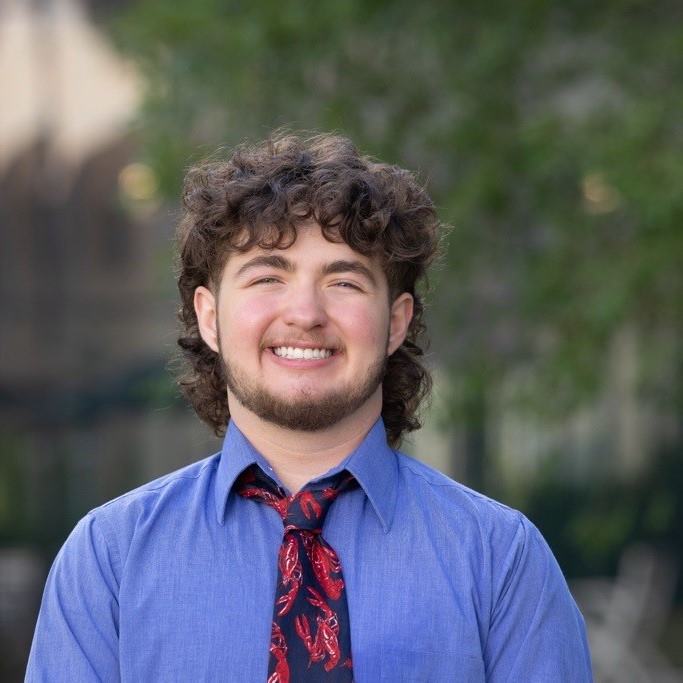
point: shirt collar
(373, 463)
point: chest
(203, 610)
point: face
(304, 332)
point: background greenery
(549, 134)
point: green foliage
(30, 513)
(549, 134)
(589, 526)
(12, 491)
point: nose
(304, 308)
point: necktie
(310, 637)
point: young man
(308, 549)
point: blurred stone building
(87, 316)
(87, 404)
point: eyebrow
(282, 263)
(350, 267)
(266, 261)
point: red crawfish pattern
(278, 650)
(310, 638)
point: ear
(401, 315)
(207, 316)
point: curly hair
(258, 197)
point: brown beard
(305, 414)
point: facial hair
(304, 413)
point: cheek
(365, 327)
(245, 320)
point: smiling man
(305, 334)
(309, 548)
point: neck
(296, 456)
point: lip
(301, 362)
(301, 345)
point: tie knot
(304, 510)
(307, 509)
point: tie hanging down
(310, 638)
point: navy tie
(310, 638)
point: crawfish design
(278, 648)
(310, 623)
(291, 571)
(325, 563)
(326, 642)
(309, 505)
(268, 497)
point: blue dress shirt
(175, 581)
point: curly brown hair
(258, 197)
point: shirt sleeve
(76, 635)
(537, 633)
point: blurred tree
(549, 134)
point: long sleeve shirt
(175, 581)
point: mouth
(302, 353)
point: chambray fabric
(175, 581)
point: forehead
(309, 249)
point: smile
(297, 353)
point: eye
(346, 284)
(265, 281)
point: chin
(302, 397)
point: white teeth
(301, 354)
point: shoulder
(493, 536)
(500, 544)
(157, 505)
(138, 523)
(453, 501)
(164, 489)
